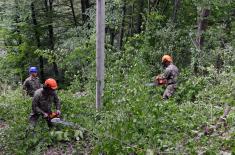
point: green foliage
(134, 118)
(20, 138)
(219, 88)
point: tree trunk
(17, 21)
(155, 3)
(37, 37)
(228, 28)
(149, 8)
(139, 18)
(131, 20)
(219, 63)
(176, 8)
(35, 25)
(165, 7)
(73, 13)
(112, 36)
(100, 36)
(122, 25)
(202, 26)
(85, 5)
(50, 26)
(49, 14)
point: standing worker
(32, 83)
(43, 100)
(169, 76)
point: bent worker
(169, 76)
(32, 83)
(43, 100)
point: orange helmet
(167, 58)
(51, 83)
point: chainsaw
(54, 117)
(158, 82)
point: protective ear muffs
(44, 86)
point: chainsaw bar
(151, 84)
(59, 121)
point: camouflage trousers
(169, 91)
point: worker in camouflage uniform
(169, 76)
(32, 83)
(43, 100)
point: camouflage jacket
(170, 74)
(42, 102)
(31, 85)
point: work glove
(45, 115)
(58, 112)
(159, 77)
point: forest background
(59, 36)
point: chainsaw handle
(52, 115)
(160, 80)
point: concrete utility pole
(100, 35)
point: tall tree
(49, 15)
(176, 8)
(202, 26)
(85, 4)
(17, 22)
(121, 34)
(73, 12)
(37, 37)
(131, 20)
(155, 3)
(139, 18)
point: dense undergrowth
(134, 118)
